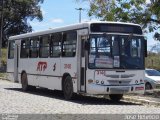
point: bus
(90, 58)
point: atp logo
(42, 66)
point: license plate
(119, 90)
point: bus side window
(34, 47)
(69, 44)
(44, 46)
(11, 50)
(25, 48)
(55, 46)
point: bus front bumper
(100, 89)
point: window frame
(9, 50)
(35, 38)
(69, 44)
(41, 45)
(59, 41)
(26, 47)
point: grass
(3, 61)
(2, 75)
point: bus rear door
(16, 60)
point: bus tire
(68, 88)
(24, 82)
(116, 97)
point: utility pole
(80, 9)
(1, 31)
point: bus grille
(119, 82)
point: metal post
(80, 9)
(80, 15)
(1, 32)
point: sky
(57, 13)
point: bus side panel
(50, 76)
(30, 67)
(10, 60)
(89, 76)
(69, 65)
(10, 69)
(52, 83)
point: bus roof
(64, 28)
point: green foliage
(16, 14)
(135, 11)
(2, 75)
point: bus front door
(83, 68)
(81, 62)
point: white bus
(92, 58)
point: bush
(4, 56)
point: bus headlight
(102, 82)
(97, 81)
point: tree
(135, 11)
(16, 15)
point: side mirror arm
(87, 45)
(145, 48)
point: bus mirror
(87, 45)
(145, 48)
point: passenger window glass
(11, 50)
(25, 44)
(34, 48)
(56, 45)
(44, 49)
(69, 44)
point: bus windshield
(116, 51)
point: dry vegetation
(153, 61)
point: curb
(141, 100)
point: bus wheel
(116, 97)
(24, 82)
(68, 88)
